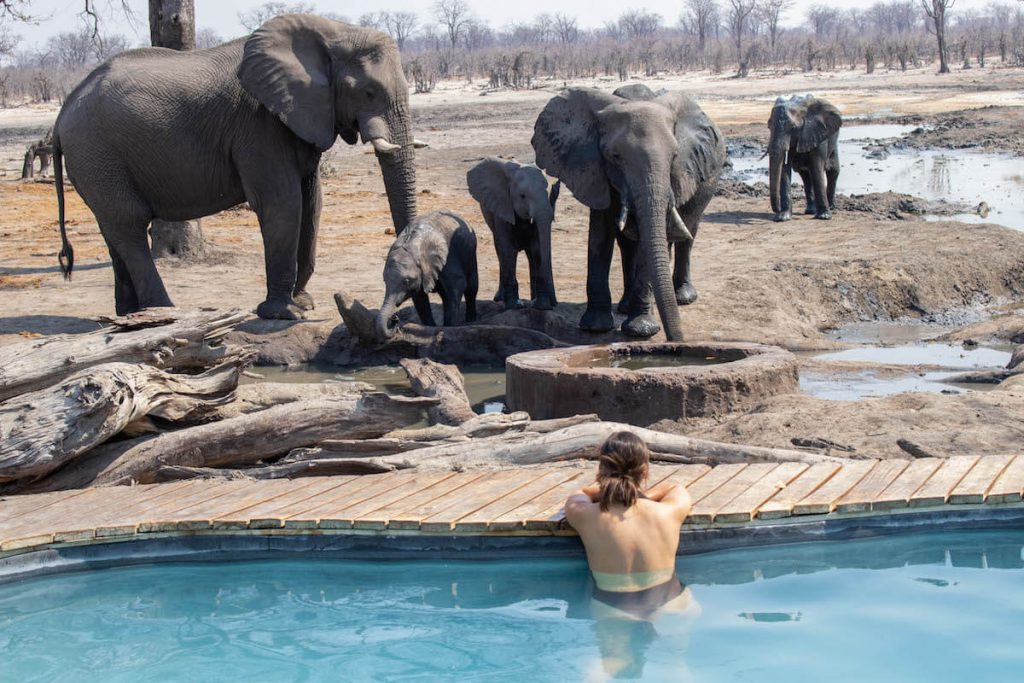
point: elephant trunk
(398, 167)
(385, 330)
(651, 214)
(776, 160)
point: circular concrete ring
(570, 381)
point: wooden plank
(704, 510)
(482, 494)
(858, 498)
(743, 507)
(936, 490)
(488, 486)
(821, 500)
(12, 507)
(1009, 487)
(123, 520)
(272, 513)
(344, 514)
(813, 478)
(198, 510)
(479, 520)
(714, 479)
(326, 513)
(975, 485)
(898, 493)
(61, 518)
(379, 518)
(265, 494)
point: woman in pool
(630, 535)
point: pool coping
(218, 545)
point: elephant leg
(691, 214)
(627, 254)
(785, 186)
(279, 208)
(820, 191)
(808, 180)
(125, 299)
(542, 286)
(508, 255)
(421, 302)
(639, 297)
(833, 179)
(600, 247)
(451, 293)
(472, 286)
(311, 205)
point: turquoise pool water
(936, 607)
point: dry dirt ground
(783, 284)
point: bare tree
(453, 15)
(770, 12)
(639, 24)
(565, 28)
(823, 20)
(936, 11)
(738, 19)
(374, 20)
(701, 16)
(256, 17)
(401, 26)
(172, 24)
(207, 37)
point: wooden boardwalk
(511, 502)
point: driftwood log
(242, 440)
(443, 382)
(164, 337)
(42, 430)
(250, 398)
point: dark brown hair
(622, 469)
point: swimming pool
(922, 606)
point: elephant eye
(369, 95)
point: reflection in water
(940, 178)
(936, 606)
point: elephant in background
(647, 170)
(804, 135)
(155, 133)
(519, 209)
(436, 252)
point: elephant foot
(304, 300)
(545, 302)
(782, 216)
(686, 294)
(275, 309)
(513, 304)
(595, 320)
(641, 326)
(824, 216)
(810, 211)
(622, 308)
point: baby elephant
(515, 202)
(435, 252)
(804, 134)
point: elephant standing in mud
(436, 252)
(155, 133)
(647, 170)
(804, 135)
(519, 209)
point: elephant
(804, 134)
(436, 252)
(646, 169)
(155, 133)
(519, 209)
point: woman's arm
(675, 495)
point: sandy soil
(758, 281)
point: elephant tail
(67, 254)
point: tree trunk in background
(172, 24)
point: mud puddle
(872, 160)
(888, 332)
(485, 386)
(935, 363)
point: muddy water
(951, 356)
(655, 360)
(960, 176)
(485, 386)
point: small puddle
(956, 176)
(855, 385)
(888, 332)
(655, 360)
(485, 385)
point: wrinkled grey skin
(155, 133)
(519, 209)
(644, 155)
(436, 252)
(804, 134)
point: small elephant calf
(519, 210)
(435, 252)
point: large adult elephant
(645, 168)
(803, 135)
(155, 133)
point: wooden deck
(512, 502)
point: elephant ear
(433, 254)
(821, 122)
(488, 184)
(286, 66)
(701, 148)
(567, 141)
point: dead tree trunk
(162, 337)
(42, 430)
(443, 382)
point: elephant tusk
(623, 215)
(419, 144)
(680, 225)
(382, 146)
